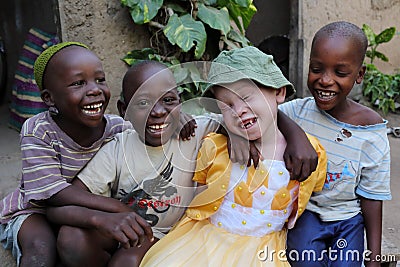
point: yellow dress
(242, 216)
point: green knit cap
(44, 58)
(243, 63)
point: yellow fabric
(215, 172)
(199, 243)
(194, 241)
(281, 199)
(242, 195)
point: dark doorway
(274, 30)
(17, 18)
(269, 30)
(272, 19)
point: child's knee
(36, 237)
(72, 245)
(70, 240)
(38, 252)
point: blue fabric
(358, 160)
(335, 243)
(9, 236)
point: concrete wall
(107, 28)
(379, 14)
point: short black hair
(135, 69)
(346, 30)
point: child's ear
(121, 108)
(46, 97)
(180, 96)
(280, 95)
(361, 73)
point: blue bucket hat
(244, 63)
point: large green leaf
(247, 15)
(180, 73)
(216, 18)
(369, 33)
(135, 56)
(210, 2)
(142, 11)
(239, 14)
(243, 3)
(176, 7)
(386, 35)
(185, 32)
(239, 38)
(381, 56)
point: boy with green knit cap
(55, 145)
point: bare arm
(109, 216)
(372, 212)
(240, 149)
(300, 157)
(128, 228)
(78, 194)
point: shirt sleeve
(375, 172)
(207, 123)
(101, 172)
(287, 108)
(295, 109)
(204, 161)
(41, 173)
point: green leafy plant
(189, 30)
(374, 40)
(381, 89)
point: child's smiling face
(334, 69)
(154, 108)
(248, 111)
(76, 85)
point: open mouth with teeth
(246, 124)
(325, 95)
(92, 109)
(156, 128)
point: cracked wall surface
(107, 28)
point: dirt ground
(391, 208)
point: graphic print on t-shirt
(339, 174)
(153, 194)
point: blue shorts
(9, 235)
(313, 242)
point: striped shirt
(50, 161)
(358, 160)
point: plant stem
(156, 24)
